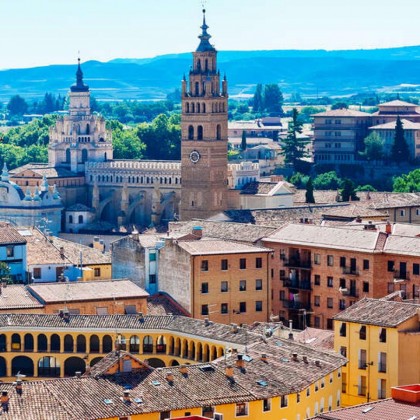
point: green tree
(400, 152)
(17, 105)
(299, 180)
(374, 147)
(273, 99)
(327, 181)
(258, 102)
(294, 147)
(347, 190)
(407, 182)
(340, 105)
(126, 143)
(243, 141)
(366, 187)
(309, 194)
(4, 272)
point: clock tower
(204, 135)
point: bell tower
(204, 123)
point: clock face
(194, 156)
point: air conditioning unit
(218, 416)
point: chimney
(229, 371)
(240, 362)
(264, 358)
(61, 251)
(126, 397)
(183, 370)
(197, 231)
(141, 317)
(78, 374)
(305, 359)
(290, 329)
(276, 178)
(98, 244)
(206, 321)
(317, 363)
(234, 328)
(388, 228)
(170, 378)
(295, 357)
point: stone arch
(220, 352)
(200, 132)
(190, 132)
(42, 342)
(22, 364)
(191, 354)
(73, 365)
(3, 343)
(137, 205)
(55, 343)
(134, 344)
(199, 352)
(171, 345)
(185, 349)
(94, 344)
(28, 342)
(95, 360)
(156, 362)
(16, 342)
(213, 354)
(161, 344)
(68, 343)
(206, 353)
(174, 362)
(177, 348)
(147, 344)
(81, 344)
(48, 366)
(3, 368)
(106, 344)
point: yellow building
(253, 378)
(381, 339)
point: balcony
(401, 275)
(352, 292)
(296, 262)
(350, 270)
(289, 304)
(295, 284)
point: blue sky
(41, 32)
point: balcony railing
(362, 364)
(288, 304)
(350, 270)
(294, 284)
(350, 292)
(401, 275)
(296, 262)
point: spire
(79, 86)
(205, 37)
(5, 173)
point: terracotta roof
(321, 196)
(315, 337)
(388, 409)
(326, 237)
(10, 236)
(46, 250)
(222, 230)
(17, 297)
(266, 188)
(43, 169)
(216, 247)
(403, 245)
(163, 304)
(397, 102)
(343, 112)
(407, 125)
(352, 211)
(380, 312)
(87, 290)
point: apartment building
(381, 340)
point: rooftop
(163, 304)
(407, 125)
(10, 236)
(267, 188)
(216, 247)
(89, 290)
(17, 297)
(397, 102)
(342, 112)
(42, 169)
(381, 312)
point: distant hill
(309, 72)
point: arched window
(81, 344)
(204, 108)
(198, 64)
(68, 343)
(187, 107)
(28, 342)
(80, 219)
(193, 107)
(198, 108)
(3, 342)
(218, 132)
(16, 344)
(161, 344)
(200, 132)
(87, 129)
(190, 132)
(70, 218)
(94, 344)
(197, 88)
(106, 344)
(147, 344)
(134, 344)
(67, 155)
(48, 366)
(206, 65)
(105, 157)
(42, 342)
(84, 155)
(55, 342)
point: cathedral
(139, 192)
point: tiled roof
(9, 235)
(352, 211)
(266, 188)
(342, 112)
(17, 297)
(388, 409)
(80, 207)
(407, 125)
(43, 169)
(321, 196)
(315, 337)
(403, 245)
(163, 304)
(397, 102)
(215, 247)
(326, 237)
(222, 230)
(380, 312)
(46, 250)
(86, 290)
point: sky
(41, 32)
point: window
(366, 287)
(390, 265)
(298, 398)
(267, 404)
(342, 304)
(242, 307)
(382, 389)
(308, 392)
(165, 415)
(258, 306)
(258, 284)
(402, 213)
(330, 302)
(342, 261)
(343, 329)
(224, 265)
(382, 335)
(391, 287)
(329, 324)
(224, 286)
(416, 269)
(343, 283)
(97, 272)
(317, 300)
(343, 351)
(362, 359)
(382, 362)
(317, 322)
(317, 279)
(241, 409)
(37, 272)
(365, 264)
(204, 309)
(317, 259)
(282, 274)
(10, 251)
(362, 385)
(283, 401)
(242, 285)
(330, 282)
(258, 262)
(242, 263)
(204, 287)
(204, 265)
(362, 333)
(152, 256)
(330, 260)
(224, 308)
(152, 278)
(316, 387)
(80, 219)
